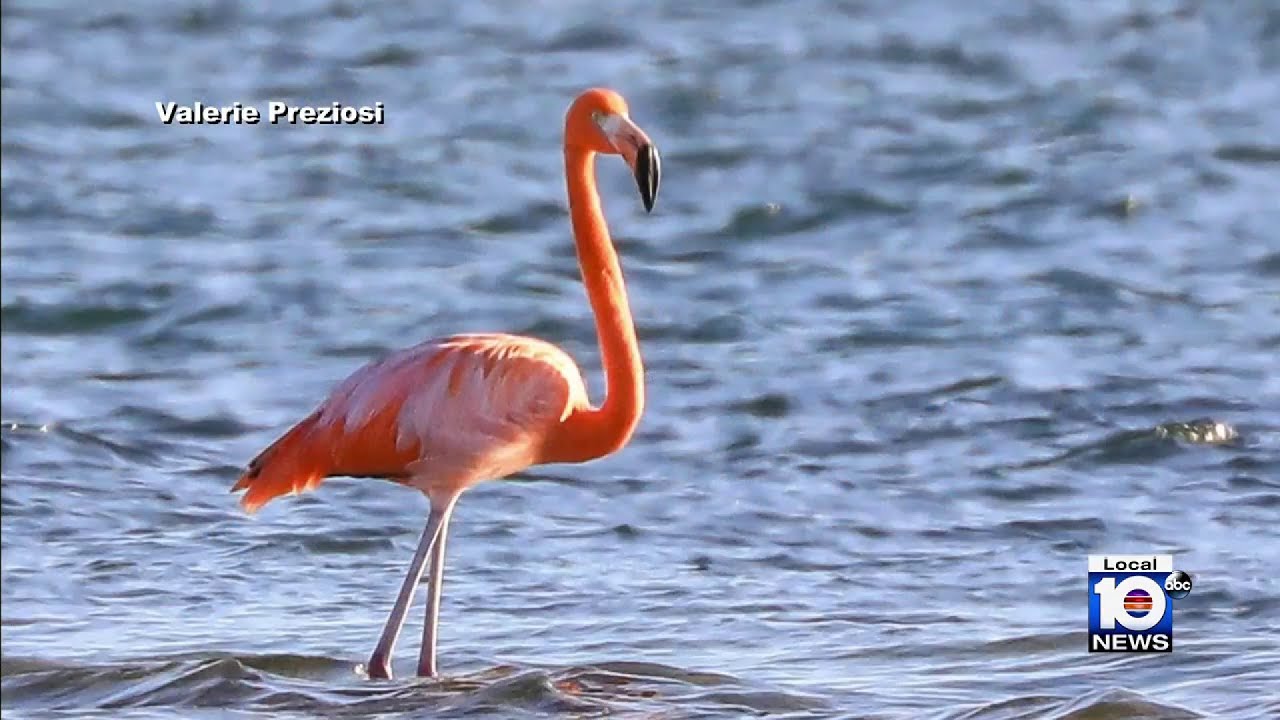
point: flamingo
(451, 412)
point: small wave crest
(336, 687)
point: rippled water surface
(937, 300)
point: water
(927, 294)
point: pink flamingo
(448, 413)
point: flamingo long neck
(593, 433)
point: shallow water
(936, 301)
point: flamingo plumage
(449, 413)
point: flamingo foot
(379, 668)
(427, 669)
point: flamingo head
(599, 121)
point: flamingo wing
(446, 413)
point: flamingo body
(439, 416)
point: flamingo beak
(648, 171)
(639, 152)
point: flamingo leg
(379, 667)
(435, 582)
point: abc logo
(1137, 603)
(1178, 584)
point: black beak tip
(648, 175)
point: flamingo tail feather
(290, 465)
